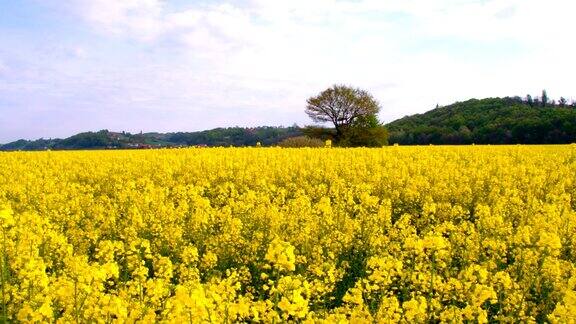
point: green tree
(544, 98)
(322, 133)
(365, 131)
(529, 100)
(341, 105)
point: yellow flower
(281, 255)
(415, 310)
(6, 217)
(400, 234)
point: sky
(69, 66)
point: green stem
(431, 294)
(2, 270)
(76, 301)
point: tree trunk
(339, 134)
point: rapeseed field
(398, 234)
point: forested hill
(489, 121)
(104, 139)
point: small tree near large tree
(365, 131)
(341, 105)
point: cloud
(135, 63)
(221, 26)
(141, 19)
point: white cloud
(141, 19)
(263, 23)
(256, 61)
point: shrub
(301, 141)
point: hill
(488, 121)
(104, 139)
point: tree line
(510, 120)
(544, 101)
(352, 117)
(104, 139)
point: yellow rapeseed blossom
(281, 255)
(316, 235)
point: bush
(365, 131)
(301, 141)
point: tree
(562, 102)
(365, 131)
(544, 98)
(341, 105)
(464, 135)
(529, 100)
